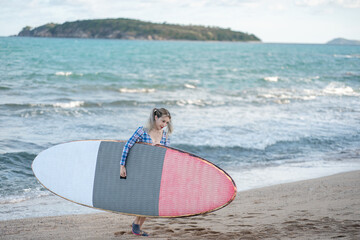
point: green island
(122, 28)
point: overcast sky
(290, 21)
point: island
(343, 41)
(122, 28)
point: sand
(323, 208)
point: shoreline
(320, 208)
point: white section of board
(68, 170)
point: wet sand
(323, 208)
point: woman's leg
(140, 220)
(136, 227)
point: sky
(282, 21)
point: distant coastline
(122, 28)
(343, 41)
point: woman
(154, 133)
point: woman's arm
(130, 143)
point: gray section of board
(139, 192)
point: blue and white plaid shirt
(140, 135)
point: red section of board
(190, 185)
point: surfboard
(161, 181)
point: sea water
(265, 113)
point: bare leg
(136, 226)
(140, 221)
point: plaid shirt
(140, 135)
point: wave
(84, 104)
(28, 193)
(2, 88)
(21, 160)
(281, 96)
(67, 74)
(27, 110)
(63, 73)
(195, 102)
(180, 103)
(333, 89)
(340, 90)
(184, 98)
(276, 152)
(138, 90)
(287, 95)
(151, 90)
(72, 104)
(347, 55)
(190, 86)
(271, 79)
(9, 145)
(17, 177)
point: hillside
(134, 29)
(343, 41)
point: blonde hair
(159, 112)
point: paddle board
(161, 181)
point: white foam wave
(63, 73)
(136, 90)
(347, 56)
(283, 96)
(189, 86)
(41, 206)
(276, 95)
(29, 193)
(308, 98)
(197, 102)
(72, 104)
(272, 79)
(256, 177)
(282, 101)
(334, 89)
(13, 200)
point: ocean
(265, 113)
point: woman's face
(161, 122)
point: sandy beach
(323, 208)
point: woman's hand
(122, 171)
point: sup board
(161, 181)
